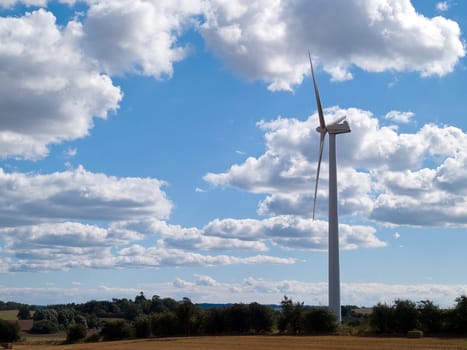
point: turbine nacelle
(340, 128)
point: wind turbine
(339, 126)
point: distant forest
(161, 317)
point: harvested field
(265, 343)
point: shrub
(46, 314)
(44, 327)
(405, 315)
(382, 318)
(213, 321)
(260, 317)
(65, 318)
(93, 338)
(116, 330)
(430, 317)
(142, 327)
(81, 320)
(76, 333)
(188, 316)
(318, 320)
(24, 313)
(291, 315)
(460, 315)
(164, 324)
(282, 323)
(9, 331)
(236, 319)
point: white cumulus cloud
(249, 289)
(399, 117)
(50, 90)
(414, 178)
(442, 6)
(78, 195)
(138, 36)
(293, 232)
(267, 40)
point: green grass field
(9, 315)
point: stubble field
(264, 343)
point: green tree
(46, 314)
(164, 324)
(188, 315)
(9, 331)
(318, 320)
(44, 326)
(81, 319)
(127, 309)
(260, 317)
(76, 333)
(214, 321)
(236, 318)
(458, 318)
(161, 305)
(143, 303)
(66, 317)
(140, 299)
(430, 317)
(290, 319)
(24, 313)
(116, 330)
(142, 326)
(405, 315)
(382, 318)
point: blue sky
(169, 147)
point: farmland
(9, 315)
(264, 343)
(276, 340)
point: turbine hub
(321, 130)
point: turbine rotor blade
(321, 147)
(322, 124)
(337, 121)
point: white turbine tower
(339, 126)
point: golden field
(264, 343)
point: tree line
(405, 315)
(161, 317)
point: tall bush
(318, 320)
(44, 327)
(142, 327)
(214, 321)
(430, 317)
(76, 333)
(382, 318)
(457, 318)
(116, 330)
(24, 313)
(260, 317)
(405, 315)
(9, 331)
(236, 319)
(164, 324)
(291, 314)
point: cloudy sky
(169, 147)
